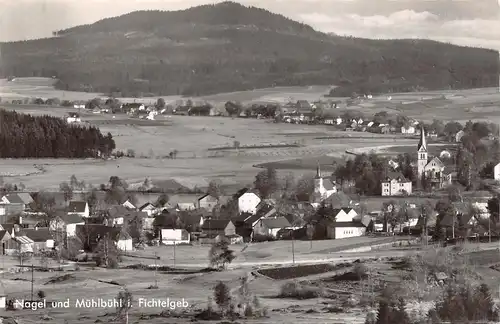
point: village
(34, 223)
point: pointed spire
(318, 172)
(422, 144)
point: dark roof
(216, 224)
(347, 224)
(146, 205)
(339, 200)
(72, 219)
(294, 220)
(208, 196)
(366, 220)
(327, 183)
(396, 176)
(117, 211)
(8, 227)
(14, 198)
(2, 234)
(240, 193)
(94, 232)
(347, 210)
(77, 206)
(166, 220)
(41, 234)
(279, 222)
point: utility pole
(293, 250)
(156, 269)
(174, 252)
(32, 279)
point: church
(432, 170)
(323, 188)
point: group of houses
(304, 112)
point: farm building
(66, 224)
(41, 237)
(208, 202)
(247, 201)
(91, 234)
(80, 208)
(218, 226)
(5, 239)
(148, 208)
(73, 118)
(409, 130)
(174, 236)
(22, 244)
(343, 223)
(270, 226)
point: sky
(462, 22)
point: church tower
(319, 189)
(422, 154)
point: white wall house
(124, 242)
(80, 208)
(247, 201)
(175, 236)
(73, 118)
(496, 172)
(396, 185)
(345, 224)
(408, 130)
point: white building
(496, 172)
(346, 224)
(80, 208)
(247, 201)
(124, 242)
(174, 236)
(323, 188)
(395, 184)
(73, 118)
(408, 130)
(434, 171)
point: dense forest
(229, 47)
(26, 136)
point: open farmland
(195, 164)
(193, 137)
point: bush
(296, 290)
(41, 294)
(222, 296)
(360, 270)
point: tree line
(27, 136)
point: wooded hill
(228, 47)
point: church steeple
(318, 172)
(422, 144)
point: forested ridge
(228, 47)
(26, 136)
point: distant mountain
(229, 47)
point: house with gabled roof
(42, 238)
(79, 208)
(396, 184)
(5, 239)
(208, 202)
(149, 209)
(270, 226)
(65, 224)
(91, 234)
(342, 223)
(247, 201)
(218, 227)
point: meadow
(195, 138)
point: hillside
(229, 47)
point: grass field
(193, 136)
